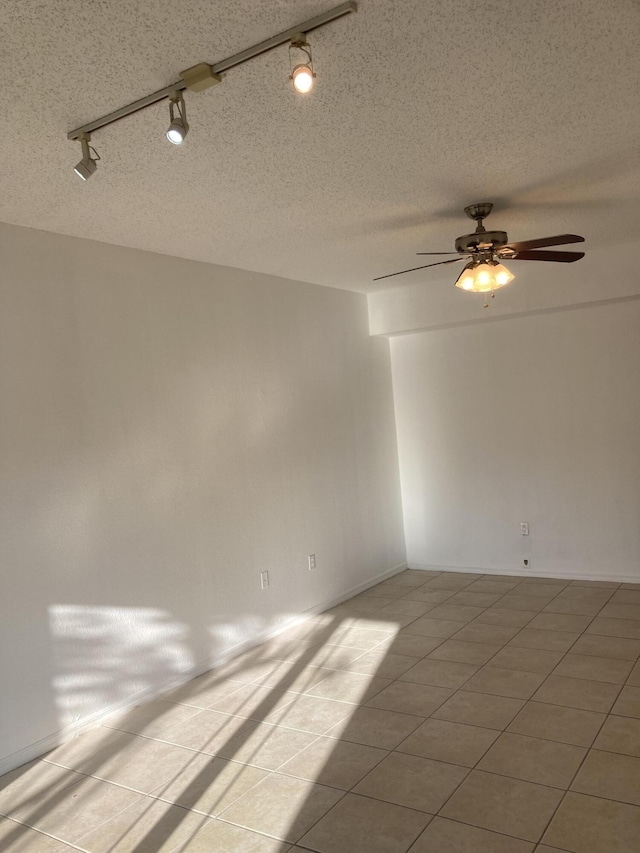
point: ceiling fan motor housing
(483, 241)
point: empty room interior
(320, 427)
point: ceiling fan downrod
(479, 212)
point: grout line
(518, 589)
(69, 844)
(499, 732)
(381, 759)
(588, 749)
(573, 779)
(496, 831)
(487, 663)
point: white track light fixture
(202, 76)
(302, 74)
(179, 126)
(87, 166)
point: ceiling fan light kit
(484, 276)
(202, 76)
(484, 250)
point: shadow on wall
(105, 655)
(212, 739)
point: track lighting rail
(225, 65)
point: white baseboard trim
(46, 744)
(529, 572)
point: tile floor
(434, 713)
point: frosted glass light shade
(501, 274)
(466, 279)
(483, 277)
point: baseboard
(354, 590)
(46, 744)
(530, 572)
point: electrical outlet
(525, 563)
(264, 579)
(524, 528)
(312, 562)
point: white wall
(169, 429)
(535, 419)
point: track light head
(179, 126)
(302, 75)
(178, 129)
(87, 166)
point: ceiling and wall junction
(419, 109)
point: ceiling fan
(483, 250)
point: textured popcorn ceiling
(420, 107)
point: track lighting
(179, 127)
(302, 75)
(87, 166)
(202, 76)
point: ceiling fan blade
(559, 240)
(413, 269)
(436, 253)
(559, 257)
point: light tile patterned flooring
(435, 713)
